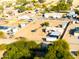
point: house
(4, 28)
(71, 14)
(9, 30)
(53, 36)
(12, 30)
(24, 17)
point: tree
(1, 7)
(61, 6)
(77, 53)
(77, 11)
(23, 2)
(38, 57)
(70, 2)
(34, 1)
(20, 8)
(41, 1)
(58, 50)
(62, 1)
(45, 24)
(19, 50)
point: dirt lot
(38, 35)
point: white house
(53, 36)
(53, 15)
(24, 17)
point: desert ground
(39, 34)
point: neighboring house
(71, 14)
(9, 30)
(4, 28)
(53, 36)
(53, 15)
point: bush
(1, 7)
(77, 53)
(21, 8)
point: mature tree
(62, 6)
(23, 2)
(34, 1)
(59, 50)
(19, 50)
(20, 8)
(1, 7)
(77, 53)
(41, 1)
(70, 2)
(62, 0)
(38, 57)
(76, 11)
(45, 24)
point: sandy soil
(38, 35)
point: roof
(51, 38)
(71, 13)
(55, 33)
(3, 27)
